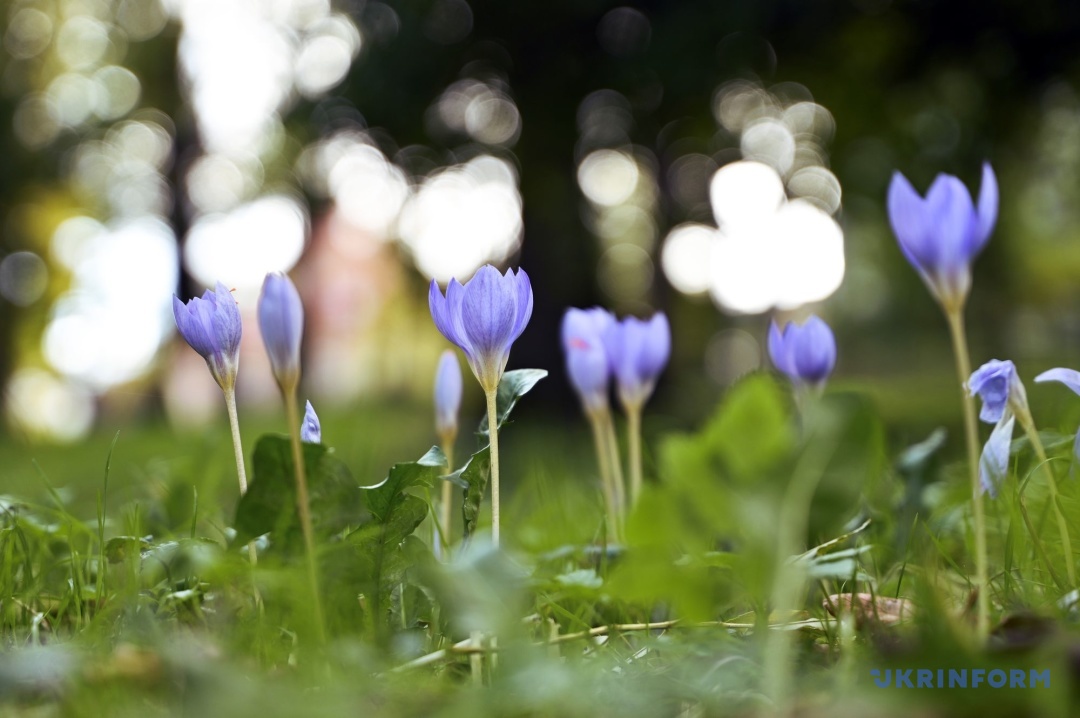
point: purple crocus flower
(806, 353)
(281, 320)
(587, 362)
(998, 385)
(942, 233)
(310, 428)
(1071, 379)
(637, 352)
(484, 317)
(447, 394)
(211, 325)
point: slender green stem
(303, 508)
(633, 430)
(603, 459)
(618, 482)
(238, 449)
(787, 588)
(238, 453)
(1051, 483)
(493, 435)
(445, 513)
(955, 316)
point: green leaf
(473, 477)
(270, 502)
(378, 561)
(514, 385)
(752, 430)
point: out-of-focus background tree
(153, 147)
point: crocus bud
(310, 428)
(211, 326)
(637, 353)
(806, 353)
(587, 362)
(484, 317)
(447, 395)
(281, 320)
(942, 233)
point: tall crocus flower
(1004, 400)
(806, 352)
(589, 370)
(637, 352)
(484, 317)
(210, 324)
(310, 427)
(940, 235)
(448, 390)
(281, 321)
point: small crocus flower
(310, 428)
(1003, 397)
(281, 320)
(942, 233)
(447, 395)
(587, 362)
(211, 325)
(484, 317)
(806, 353)
(637, 353)
(1071, 379)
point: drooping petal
(994, 461)
(987, 209)
(1068, 377)
(993, 382)
(907, 216)
(310, 427)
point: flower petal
(489, 312)
(908, 218)
(1068, 377)
(310, 427)
(780, 349)
(524, 302)
(994, 461)
(815, 353)
(952, 215)
(440, 312)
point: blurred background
(725, 162)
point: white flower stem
(603, 459)
(303, 507)
(615, 462)
(955, 316)
(493, 435)
(633, 431)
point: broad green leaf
(473, 478)
(752, 431)
(514, 385)
(270, 502)
(378, 562)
